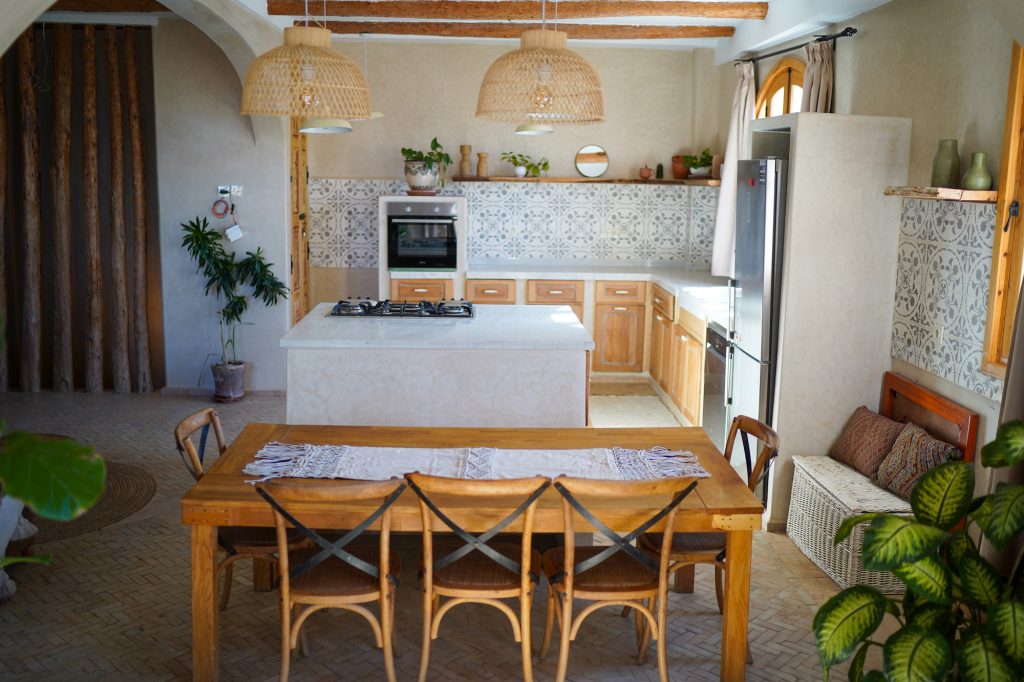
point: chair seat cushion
(477, 571)
(700, 544)
(618, 573)
(332, 576)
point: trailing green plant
(533, 168)
(435, 155)
(959, 619)
(226, 279)
(698, 160)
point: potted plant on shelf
(525, 166)
(699, 164)
(225, 278)
(960, 618)
(424, 171)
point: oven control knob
(408, 209)
(437, 209)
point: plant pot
(420, 178)
(228, 382)
(520, 171)
(700, 172)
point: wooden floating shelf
(943, 194)
(703, 182)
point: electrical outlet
(223, 190)
(236, 190)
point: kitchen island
(508, 366)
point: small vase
(946, 165)
(679, 171)
(978, 177)
(520, 171)
(659, 173)
(481, 164)
(645, 173)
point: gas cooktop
(367, 308)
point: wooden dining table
(222, 497)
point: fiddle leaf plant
(959, 618)
(227, 277)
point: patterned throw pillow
(914, 453)
(866, 440)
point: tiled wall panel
(942, 290)
(542, 223)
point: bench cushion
(852, 489)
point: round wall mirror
(592, 161)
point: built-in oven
(716, 415)
(422, 236)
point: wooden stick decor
(30, 351)
(140, 319)
(91, 210)
(63, 379)
(3, 231)
(118, 246)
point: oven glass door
(421, 243)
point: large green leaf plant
(959, 619)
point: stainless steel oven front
(422, 236)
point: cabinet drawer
(420, 289)
(692, 324)
(491, 290)
(663, 302)
(554, 291)
(622, 292)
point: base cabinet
(686, 366)
(618, 337)
(661, 345)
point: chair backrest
(663, 494)
(519, 495)
(748, 426)
(202, 421)
(287, 496)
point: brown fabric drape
(76, 231)
(818, 78)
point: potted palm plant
(226, 279)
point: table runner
(284, 460)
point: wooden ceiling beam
(107, 6)
(506, 10)
(508, 30)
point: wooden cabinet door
(661, 330)
(693, 379)
(618, 338)
(675, 381)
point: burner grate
(368, 308)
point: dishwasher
(716, 413)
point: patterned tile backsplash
(942, 278)
(536, 223)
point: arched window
(782, 90)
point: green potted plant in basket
(960, 618)
(424, 171)
(226, 279)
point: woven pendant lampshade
(306, 78)
(542, 82)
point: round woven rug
(128, 489)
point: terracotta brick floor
(115, 603)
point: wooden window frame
(1008, 245)
(787, 73)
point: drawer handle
(657, 300)
(621, 292)
(620, 307)
(684, 338)
(420, 291)
(490, 291)
(659, 318)
(555, 291)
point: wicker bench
(826, 492)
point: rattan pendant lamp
(305, 78)
(542, 83)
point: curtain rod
(845, 33)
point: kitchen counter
(396, 371)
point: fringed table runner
(283, 460)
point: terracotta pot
(679, 170)
(645, 173)
(228, 382)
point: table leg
(737, 604)
(682, 582)
(205, 627)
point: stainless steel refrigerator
(755, 290)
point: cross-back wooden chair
(472, 567)
(330, 574)
(617, 575)
(709, 548)
(237, 542)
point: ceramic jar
(978, 177)
(946, 165)
(679, 170)
(421, 178)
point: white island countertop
(495, 327)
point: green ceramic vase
(946, 165)
(978, 177)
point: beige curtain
(818, 78)
(737, 147)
